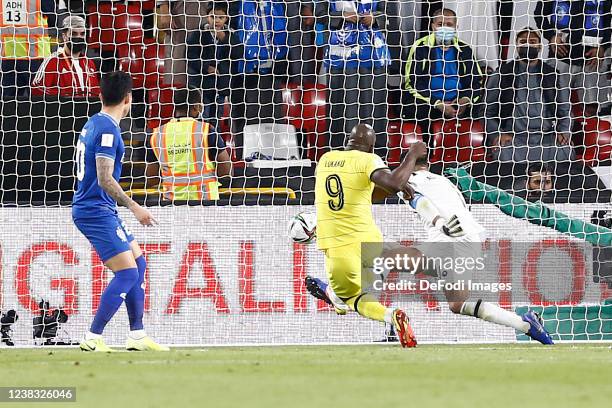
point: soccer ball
(303, 227)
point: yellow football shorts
(346, 267)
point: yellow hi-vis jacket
(181, 147)
(23, 30)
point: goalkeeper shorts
(108, 235)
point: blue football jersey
(100, 137)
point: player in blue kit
(99, 154)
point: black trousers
(358, 96)
(424, 115)
(255, 98)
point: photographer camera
(6, 320)
(47, 324)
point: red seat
(458, 141)
(305, 107)
(154, 64)
(597, 141)
(577, 111)
(160, 106)
(292, 104)
(114, 25)
(314, 102)
(148, 5)
(399, 138)
(224, 129)
(134, 64)
(145, 64)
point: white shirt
(449, 201)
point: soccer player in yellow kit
(345, 181)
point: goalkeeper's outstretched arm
(428, 211)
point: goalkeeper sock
(134, 301)
(368, 306)
(112, 297)
(494, 314)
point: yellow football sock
(368, 306)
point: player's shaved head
(362, 138)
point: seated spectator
(177, 143)
(578, 33)
(528, 107)
(443, 78)
(24, 43)
(208, 56)
(68, 72)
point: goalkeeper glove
(451, 227)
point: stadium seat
(400, 137)
(144, 63)
(458, 141)
(147, 5)
(272, 145)
(597, 141)
(224, 129)
(160, 106)
(134, 64)
(305, 108)
(114, 25)
(577, 111)
(314, 108)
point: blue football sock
(134, 300)
(112, 297)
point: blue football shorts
(108, 235)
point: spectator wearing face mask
(68, 72)
(528, 107)
(443, 78)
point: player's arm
(104, 171)
(397, 180)
(431, 214)
(379, 194)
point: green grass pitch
(492, 376)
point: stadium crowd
(539, 110)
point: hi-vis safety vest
(181, 146)
(23, 30)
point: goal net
(516, 92)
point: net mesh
(281, 83)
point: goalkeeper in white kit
(447, 219)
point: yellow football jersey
(343, 197)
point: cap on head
(362, 138)
(73, 22)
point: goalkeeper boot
(144, 344)
(96, 345)
(403, 329)
(536, 329)
(319, 289)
